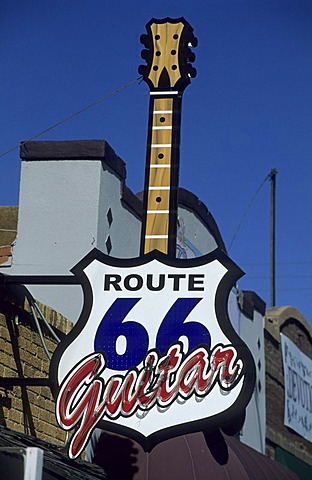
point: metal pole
(272, 241)
(33, 465)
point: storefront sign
(153, 354)
(298, 388)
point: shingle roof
(56, 464)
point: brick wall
(277, 434)
(28, 409)
(8, 231)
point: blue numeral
(172, 328)
(112, 327)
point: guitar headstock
(168, 54)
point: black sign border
(214, 422)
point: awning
(186, 458)
(183, 458)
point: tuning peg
(145, 54)
(191, 71)
(190, 39)
(190, 56)
(145, 39)
(193, 41)
(143, 70)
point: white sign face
(153, 354)
(298, 388)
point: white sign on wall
(298, 388)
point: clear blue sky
(248, 110)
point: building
(74, 197)
(283, 443)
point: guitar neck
(167, 73)
(160, 204)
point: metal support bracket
(9, 382)
(38, 279)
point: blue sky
(248, 110)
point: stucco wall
(66, 192)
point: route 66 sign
(153, 354)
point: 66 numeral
(172, 327)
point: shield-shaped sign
(153, 354)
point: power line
(114, 92)
(254, 277)
(291, 289)
(247, 210)
(265, 264)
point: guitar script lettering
(85, 397)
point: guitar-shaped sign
(153, 354)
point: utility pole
(272, 241)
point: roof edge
(276, 317)
(192, 202)
(89, 150)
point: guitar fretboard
(162, 165)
